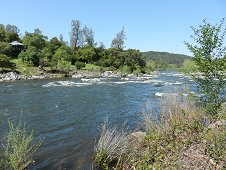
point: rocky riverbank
(13, 75)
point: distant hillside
(165, 57)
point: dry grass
(111, 146)
(178, 138)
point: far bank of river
(13, 75)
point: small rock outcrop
(9, 76)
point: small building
(16, 47)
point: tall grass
(179, 137)
(111, 146)
(18, 148)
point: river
(68, 113)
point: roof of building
(15, 43)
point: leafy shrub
(177, 127)
(79, 65)
(208, 56)
(18, 148)
(63, 66)
(5, 62)
(216, 143)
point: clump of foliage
(189, 66)
(79, 65)
(176, 128)
(180, 137)
(216, 143)
(164, 60)
(5, 62)
(111, 147)
(18, 148)
(209, 55)
(39, 51)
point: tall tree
(118, 41)
(35, 43)
(209, 55)
(75, 33)
(12, 28)
(88, 36)
(2, 33)
(61, 38)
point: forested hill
(165, 57)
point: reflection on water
(67, 113)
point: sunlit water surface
(68, 113)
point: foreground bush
(209, 55)
(18, 148)
(111, 147)
(182, 136)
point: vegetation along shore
(188, 133)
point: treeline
(57, 54)
(61, 56)
(165, 60)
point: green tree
(5, 62)
(118, 41)
(63, 66)
(189, 66)
(86, 54)
(31, 56)
(2, 33)
(75, 33)
(208, 55)
(35, 39)
(11, 33)
(5, 49)
(12, 28)
(151, 65)
(63, 54)
(79, 65)
(88, 36)
(11, 36)
(35, 43)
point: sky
(150, 25)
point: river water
(68, 113)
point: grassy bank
(181, 137)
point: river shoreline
(15, 76)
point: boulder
(9, 76)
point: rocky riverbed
(13, 75)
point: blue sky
(150, 25)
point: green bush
(5, 62)
(208, 56)
(79, 65)
(18, 149)
(63, 66)
(216, 143)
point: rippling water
(67, 113)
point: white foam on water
(91, 80)
(178, 83)
(65, 84)
(118, 82)
(158, 94)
